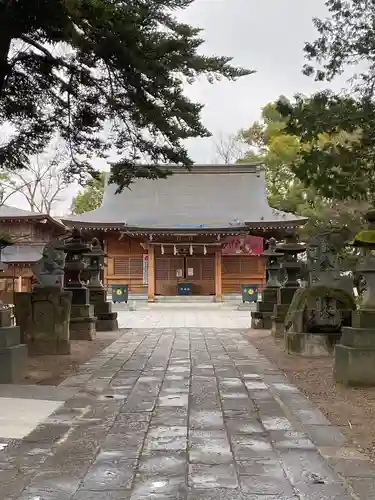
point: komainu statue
(49, 270)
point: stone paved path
(184, 414)
(170, 316)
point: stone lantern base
(106, 320)
(261, 319)
(82, 322)
(285, 297)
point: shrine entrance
(198, 270)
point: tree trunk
(5, 41)
(4, 67)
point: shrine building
(205, 226)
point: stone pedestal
(284, 299)
(355, 355)
(310, 345)
(106, 320)
(82, 319)
(43, 317)
(13, 354)
(261, 319)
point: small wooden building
(205, 226)
(29, 232)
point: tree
(228, 148)
(338, 135)
(90, 197)
(72, 67)
(343, 166)
(345, 40)
(270, 142)
(42, 185)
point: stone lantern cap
(272, 249)
(96, 248)
(76, 245)
(291, 246)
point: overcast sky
(267, 36)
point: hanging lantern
(174, 250)
(162, 249)
(204, 250)
(191, 249)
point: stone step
(181, 299)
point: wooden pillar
(151, 273)
(218, 276)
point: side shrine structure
(205, 226)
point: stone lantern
(96, 264)
(273, 265)
(82, 320)
(291, 248)
(355, 354)
(262, 317)
(106, 320)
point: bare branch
(42, 184)
(228, 149)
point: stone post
(290, 248)
(82, 319)
(261, 319)
(355, 354)
(106, 320)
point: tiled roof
(22, 253)
(9, 212)
(207, 197)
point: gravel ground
(353, 410)
(52, 370)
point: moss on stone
(365, 237)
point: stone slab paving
(184, 414)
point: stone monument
(355, 354)
(43, 315)
(291, 248)
(82, 319)
(318, 312)
(106, 320)
(261, 319)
